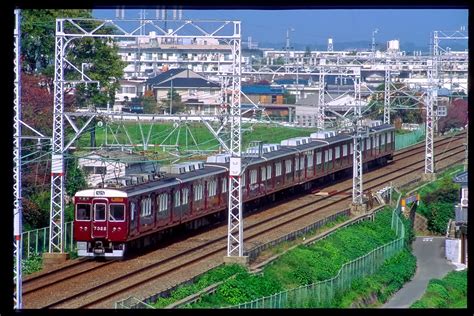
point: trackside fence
(36, 241)
(321, 293)
(408, 139)
(132, 303)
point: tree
(75, 177)
(456, 117)
(38, 51)
(176, 107)
(149, 102)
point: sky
(313, 27)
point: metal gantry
(68, 29)
(17, 203)
(431, 102)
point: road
(431, 264)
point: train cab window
(117, 213)
(83, 212)
(319, 157)
(287, 166)
(185, 195)
(224, 185)
(99, 212)
(253, 176)
(344, 150)
(269, 172)
(177, 198)
(263, 172)
(197, 192)
(278, 169)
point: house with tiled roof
(192, 87)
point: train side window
(146, 207)
(185, 193)
(301, 162)
(344, 150)
(269, 172)
(310, 160)
(163, 202)
(253, 176)
(132, 211)
(389, 138)
(243, 179)
(351, 148)
(211, 188)
(117, 212)
(278, 169)
(197, 192)
(83, 212)
(99, 212)
(338, 152)
(318, 157)
(287, 166)
(297, 164)
(368, 143)
(224, 185)
(330, 154)
(263, 171)
(177, 198)
(382, 139)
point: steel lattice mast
(386, 103)
(17, 203)
(321, 102)
(235, 220)
(56, 219)
(431, 100)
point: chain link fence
(132, 303)
(320, 294)
(36, 241)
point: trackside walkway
(431, 264)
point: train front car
(100, 222)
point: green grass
(449, 292)
(304, 264)
(168, 134)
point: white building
(103, 166)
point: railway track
(96, 294)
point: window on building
(263, 172)
(198, 192)
(269, 172)
(100, 170)
(117, 213)
(287, 166)
(177, 198)
(212, 188)
(163, 202)
(224, 185)
(278, 169)
(83, 212)
(99, 212)
(253, 176)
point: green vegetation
(437, 203)
(449, 292)
(32, 264)
(305, 264)
(211, 277)
(376, 289)
(189, 134)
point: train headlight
(114, 229)
(85, 228)
(81, 228)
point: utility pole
(17, 203)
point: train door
(133, 218)
(99, 222)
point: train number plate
(100, 228)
